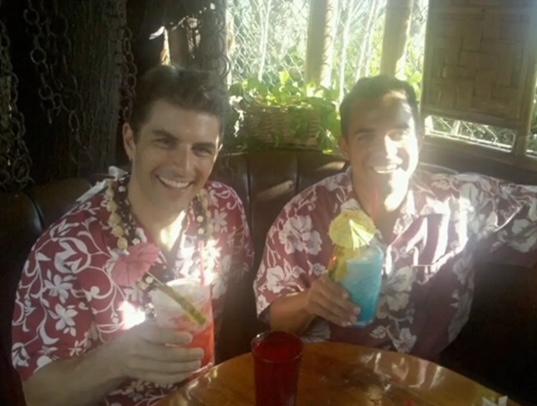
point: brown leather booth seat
(498, 346)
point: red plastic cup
(277, 358)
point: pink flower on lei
(130, 267)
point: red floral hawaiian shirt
(75, 292)
(446, 222)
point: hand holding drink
(149, 353)
(363, 281)
(330, 301)
(357, 262)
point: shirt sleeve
(503, 220)
(231, 228)
(291, 258)
(51, 318)
(242, 250)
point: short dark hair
(373, 88)
(190, 89)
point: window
(270, 36)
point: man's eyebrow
(364, 130)
(208, 145)
(166, 134)
(163, 133)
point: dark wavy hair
(373, 88)
(189, 89)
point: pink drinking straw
(201, 247)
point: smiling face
(382, 146)
(172, 157)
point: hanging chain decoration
(204, 22)
(15, 159)
(124, 57)
(58, 87)
(210, 50)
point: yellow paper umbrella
(350, 231)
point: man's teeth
(173, 183)
(384, 168)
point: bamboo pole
(397, 24)
(320, 49)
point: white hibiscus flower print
(59, 287)
(94, 292)
(19, 355)
(78, 348)
(298, 235)
(397, 301)
(395, 292)
(401, 280)
(318, 269)
(220, 221)
(482, 225)
(64, 318)
(278, 279)
(379, 332)
(28, 308)
(405, 342)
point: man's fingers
(157, 352)
(154, 334)
(338, 297)
(184, 354)
(330, 316)
(328, 309)
(334, 297)
(330, 301)
(175, 368)
(332, 289)
(174, 337)
(168, 368)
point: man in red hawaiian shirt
(80, 334)
(431, 226)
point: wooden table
(341, 375)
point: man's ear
(128, 141)
(343, 147)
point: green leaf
(285, 77)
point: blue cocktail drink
(363, 280)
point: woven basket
(296, 126)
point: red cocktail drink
(277, 358)
(172, 315)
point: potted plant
(284, 115)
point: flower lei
(124, 227)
